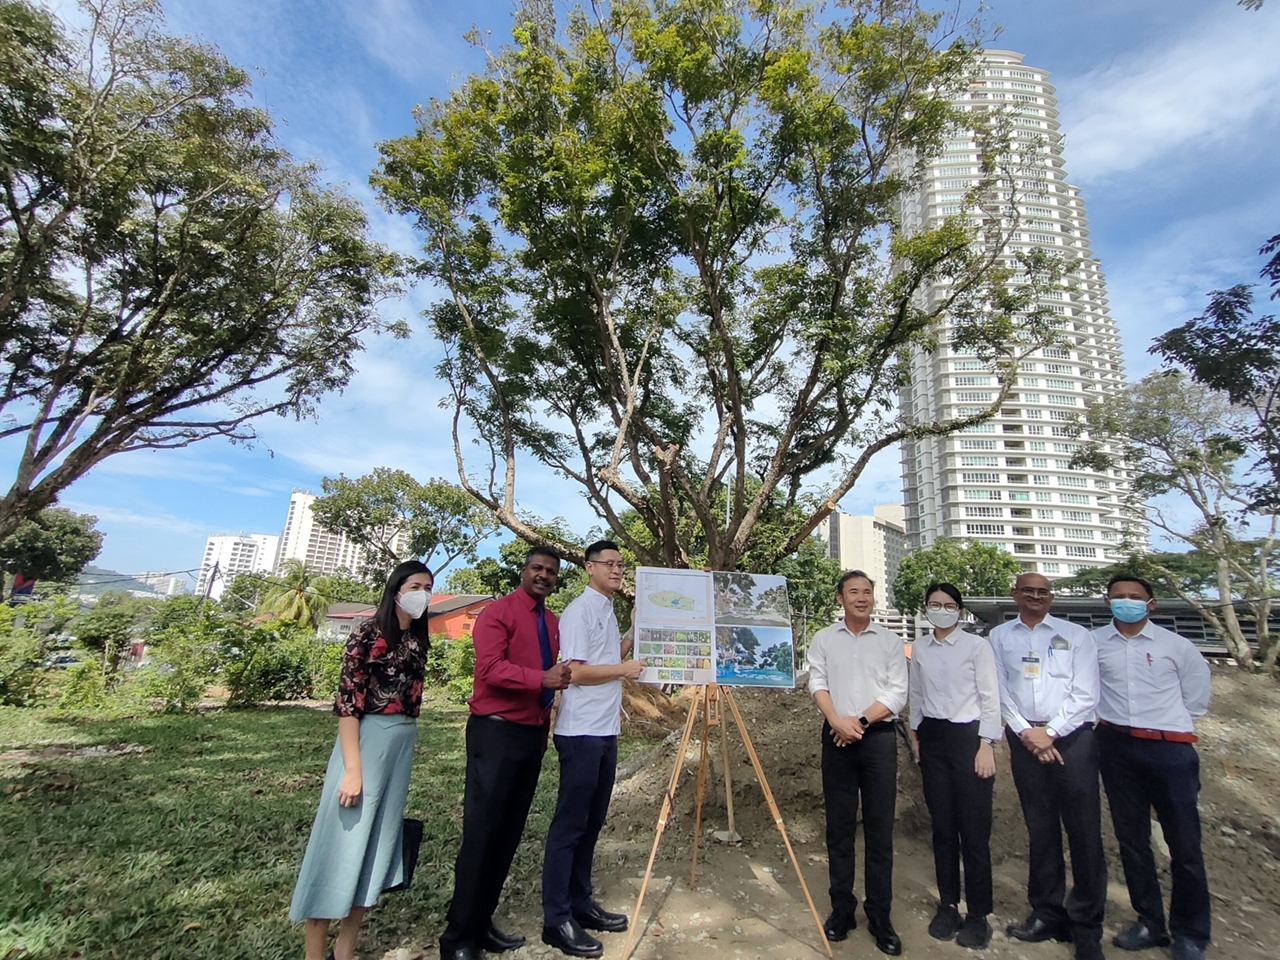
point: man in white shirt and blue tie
(1048, 674)
(1154, 686)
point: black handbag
(411, 843)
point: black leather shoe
(886, 938)
(975, 934)
(595, 917)
(838, 925)
(463, 953)
(946, 923)
(1089, 950)
(1035, 930)
(495, 941)
(570, 938)
(1140, 937)
(1184, 949)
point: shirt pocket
(1059, 664)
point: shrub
(451, 664)
(328, 669)
(276, 660)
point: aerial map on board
(713, 627)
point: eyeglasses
(618, 565)
(1035, 592)
(949, 607)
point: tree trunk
(1232, 633)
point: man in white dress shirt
(1048, 674)
(1154, 686)
(586, 737)
(858, 678)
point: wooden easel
(707, 704)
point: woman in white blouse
(955, 721)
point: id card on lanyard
(1031, 667)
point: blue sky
(1172, 115)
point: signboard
(694, 626)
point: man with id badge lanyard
(1048, 674)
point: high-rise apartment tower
(1009, 481)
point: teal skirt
(356, 852)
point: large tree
(1229, 349)
(976, 569)
(666, 237)
(167, 272)
(397, 518)
(294, 594)
(55, 544)
(1186, 441)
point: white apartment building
(873, 544)
(164, 583)
(323, 550)
(1009, 481)
(232, 555)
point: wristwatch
(1053, 734)
(989, 740)
(864, 721)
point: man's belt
(1142, 733)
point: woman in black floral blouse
(355, 850)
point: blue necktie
(544, 644)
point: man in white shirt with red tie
(1048, 674)
(1154, 686)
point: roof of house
(440, 604)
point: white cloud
(1206, 89)
(395, 33)
(156, 520)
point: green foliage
(976, 569)
(294, 595)
(276, 660)
(441, 520)
(451, 666)
(54, 545)
(1180, 438)
(22, 653)
(168, 273)
(1170, 574)
(1229, 349)
(340, 588)
(242, 593)
(108, 629)
(663, 239)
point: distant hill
(98, 580)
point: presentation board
(695, 626)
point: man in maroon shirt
(517, 642)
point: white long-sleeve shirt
(1156, 680)
(955, 679)
(858, 669)
(1048, 674)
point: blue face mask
(1129, 611)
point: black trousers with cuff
(1057, 797)
(959, 803)
(866, 770)
(1140, 775)
(503, 763)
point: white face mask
(943, 618)
(414, 602)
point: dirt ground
(747, 902)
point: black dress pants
(587, 769)
(1141, 774)
(866, 769)
(959, 804)
(1057, 797)
(503, 763)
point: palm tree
(293, 595)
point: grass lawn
(190, 849)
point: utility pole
(213, 575)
